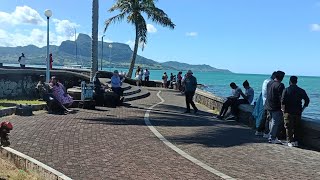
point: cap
(189, 72)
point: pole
(101, 53)
(110, 57)
(48, 58)
(75, 40)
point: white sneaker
(265, 135)
(258, 133)
(275, 141)
(290, 144)
(295, 144)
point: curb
(11, 110)
(27, 163)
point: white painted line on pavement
(175, 148)
(55, 172)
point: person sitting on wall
(53, 105)
(116, 86)
(247, 99)
(236, 91)
(60, 93)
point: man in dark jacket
(273, 105)
(292, 107)
(190, 87)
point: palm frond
(114, 19)
(121, 5)
(159, 16)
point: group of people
(115, 82)
(139, 76)
(282, 109)
(55, 94)
(277, 111)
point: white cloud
(36, 37)
(151, 28)
(60, 30)
(22, 15)
(315, 27)
(192, 34)
(65, 27)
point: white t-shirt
(264, 90)
(236, 92)
(22, 60)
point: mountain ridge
(118, 56)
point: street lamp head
(48, 13)
(110, 45)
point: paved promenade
(115, 143)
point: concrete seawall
(311, 129)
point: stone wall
(21, 83)
(311, 129)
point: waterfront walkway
(116, 143)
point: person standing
(179, 77)
(51, 61)
(116, 84)
(292, 108)
(190, 88)
(273, 105)
(22, 61)
(146, 75)
(164, 80)
(263, 128)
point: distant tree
(94, 50)
(133, 9)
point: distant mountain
(79, 52)
(184, 66)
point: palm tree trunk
(94, 50)
(134, 55)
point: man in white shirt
(247, 98)
(263, 128)
(236, 91)
(22, 61)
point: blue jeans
(276, 122)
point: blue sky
(243, 36)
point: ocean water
(218, 84)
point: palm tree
(133, 9)
(94, 50)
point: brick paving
(230, 147)
(114, 143)
(109, 143)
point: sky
(244, 36)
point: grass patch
(9, 171)
(30, 102)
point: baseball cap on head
(189, 72)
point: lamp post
(101, 52)
(110, 46)
(48, 14)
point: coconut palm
(132, 10)
(94, 50)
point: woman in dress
(165, 80)
(59, 92)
